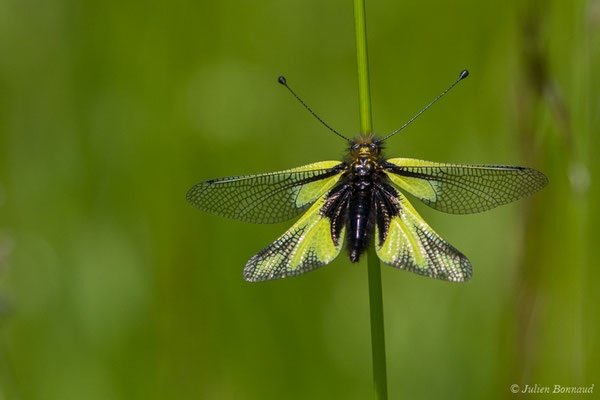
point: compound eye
(355, 146)
(372, 146)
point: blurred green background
(113, 287)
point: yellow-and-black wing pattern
(313, 241)
(463, 188)
(349, 203)
(266, 198)
(404, 240)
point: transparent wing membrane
(463, 188)
(266, 198)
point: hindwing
(404, 240)
(314, 240)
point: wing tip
(543, 179)
(192, 194)
(463, 270)
(252, 277)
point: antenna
(462, 76)
(282, 80)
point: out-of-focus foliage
(112, 286)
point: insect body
(360, 202)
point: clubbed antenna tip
(464, 73)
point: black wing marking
(463, 188)
(266, 198)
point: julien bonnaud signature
(551, 389)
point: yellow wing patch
(417, 187)
(311, 191)
(307, 245)
(412, 245)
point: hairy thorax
(364, 161)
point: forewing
(410, 244)
(307, 245)
(266, 198)
(463, 188)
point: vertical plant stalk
(377, 330)
(364, 91)
(374, 268)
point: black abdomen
(358, 221)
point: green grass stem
(364, 91)
(374, 268)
